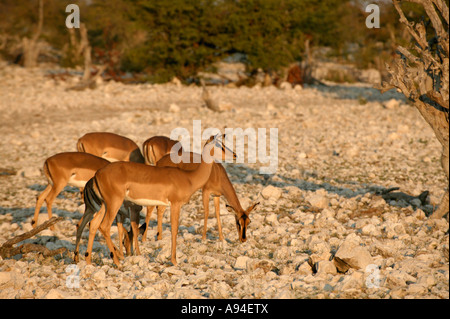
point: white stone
(99, 275)
(270, 107)
(285, 86)
(272, 219)
(318, 199)
(241, 262)
(326, 267)
(173, 108)
(392, 104)
(370, 230)
(5, 276)
(271, 192)
(354, 255)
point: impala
(150, 186)
(156, 147)
(93, 204)
(69, 168)
(110, 146)
(218, 184)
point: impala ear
(252, 207)
(230, 208)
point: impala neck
(230, 194)
(200, 176)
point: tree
(31, 46)
(421, 73)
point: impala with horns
(110, 146)
(218, 184)
(150, 186)
(69, 168)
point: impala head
(221, 152)
(242, 221)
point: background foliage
(161, 39)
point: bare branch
(408, 25)
(7, 250)
(32, 232)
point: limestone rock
(173, 108)
(318, 199)
(5, 276)
(241, 262)
(351, 255)
(325, 267)
(271, 192)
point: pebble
(271, 192)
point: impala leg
(217, 208)
(147, 220)
(39, 202)
(205, 197)
(121, 233)
(134, 217)
(87, 217)
(174, 219)
(85, 205)
(56, 189)
(105, 229)
(160, 213)
(124, 237)
(95, 223)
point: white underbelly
(76, 183)
(146, 201)
(110, 159)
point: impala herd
(116, 180)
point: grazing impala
(110, 146)
(150, 186)
(217, 184)
(70, 168)
(156, 147)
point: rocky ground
(322, 230)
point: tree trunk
(84, 48)
(422, 75)
(31, 47)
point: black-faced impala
(218, 184)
